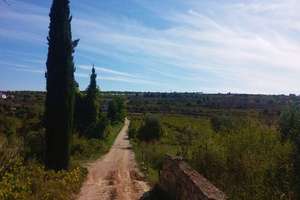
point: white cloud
(115, 76)
(238, 44)
(250, 46)
(107, 70)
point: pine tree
(59, 104)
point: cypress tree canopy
(60, 86)
(92, 100)
(92, 88)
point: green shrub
(100, 129)
(133, 128)
(10, 154)
(34, 144)
(32, 182)
(151, 128)
(29, 180)
(116, 110)
(289, 122)
(150, 157)
(222, 123)
(249, 163)
(8, 125)
(83, 148)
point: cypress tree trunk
(60, 87)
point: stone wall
(182, 182)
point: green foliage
(79, 112)
(151, 128)
(222, 123)
(22, 175)
(10, 153)
(116, 110)
(34, 145)
(185, 138)
(92, 102)
(26, 180)
(33, 182)
(150, 157)
(249, 162)
(60, 83)
(134, 129)
(8, 125)
(289, 122)
(98, 129)
(84, 148)
(289, 125)
(89, 121)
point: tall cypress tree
(59, 104)
(92, 100)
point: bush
(8, 125)
(116, 110)
(248, 163)
(222, 123)
(289, 122)
(34, 144)
(98, 129)
(10, 154)
(151, 128)
(133, 129)
(32, 182)
(83, 148)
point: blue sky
(240, 46)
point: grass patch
(84, 150)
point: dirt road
(115, 175)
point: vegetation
(92, 103)
(238, 141)
(35, 141)
(205, 104)
(151, 128)
(59, 104)
(243, 154)
(32, 181)
(22, 172)
(289, 125)
(248, 162)
(116, 110)
(22, 151)
(85, 149)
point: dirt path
(115, 175)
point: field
(238, 147)
(244, 157)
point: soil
(115, 175)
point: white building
(3, 96)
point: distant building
(3, 96)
